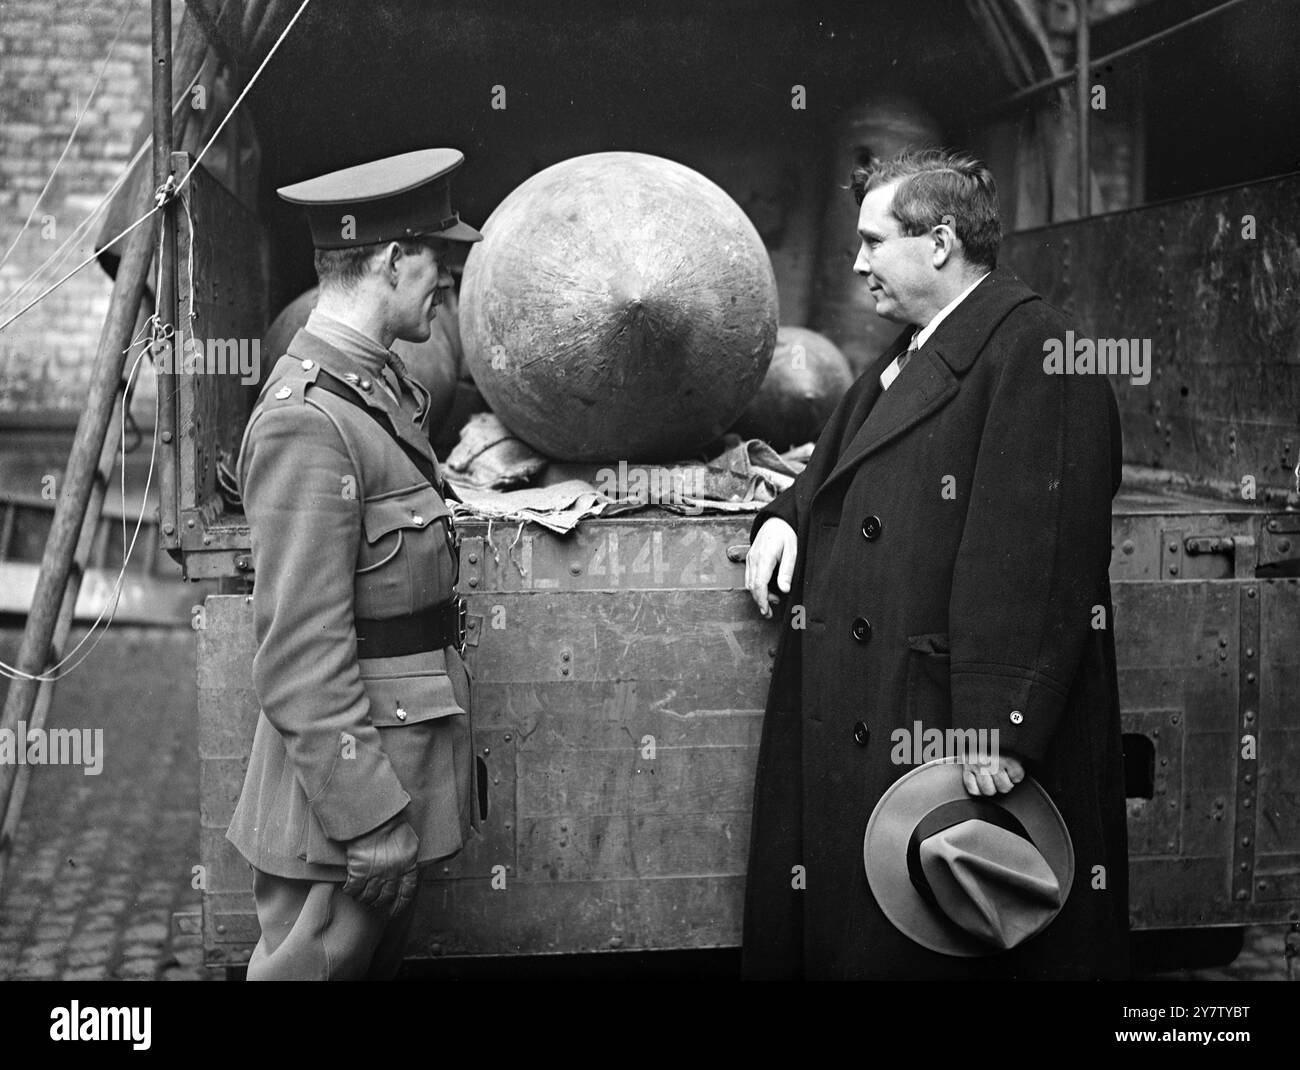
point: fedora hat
(962, 874)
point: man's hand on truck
(381, 866)
(776, 545)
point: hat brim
(462, 231)
(900, 809)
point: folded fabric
(744, 477)
(558, 508)
(489, 455)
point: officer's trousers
(311, 931)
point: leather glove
(381, 866)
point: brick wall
(50, 53)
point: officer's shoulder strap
(325, 381)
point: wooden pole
(1083, 95)
(166, 296)
(85, 478)
(80, 484)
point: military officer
(361, 767)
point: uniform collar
(348, 341)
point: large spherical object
(620, 306)
(804, 383)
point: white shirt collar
(923, 335)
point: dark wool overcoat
(953, 554)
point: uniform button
(861, 733)
(307, 365)
(871, 528)
(401, 714)
(861, 629)
(283, 393)
(365, 384)
(1017, 717)
(417, 518)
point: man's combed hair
(344, 268)
(932, 184)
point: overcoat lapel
(930, 380)
(923, 387)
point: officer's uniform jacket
(345, 527)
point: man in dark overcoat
(943, 562)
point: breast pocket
(405, 562)
(929, 681)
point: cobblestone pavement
(102, 862)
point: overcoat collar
(932, 376)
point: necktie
(404, 389)
(912, 347)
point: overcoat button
(861, 629)
(365, 384)
(307, 365)
(417, 518)
(861, 733)
(401, 714)
(871, 528)
(282, 393)
(1017, 717)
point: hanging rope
(158, 334)
(60, 254)
(126, 10)
(166, 192)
